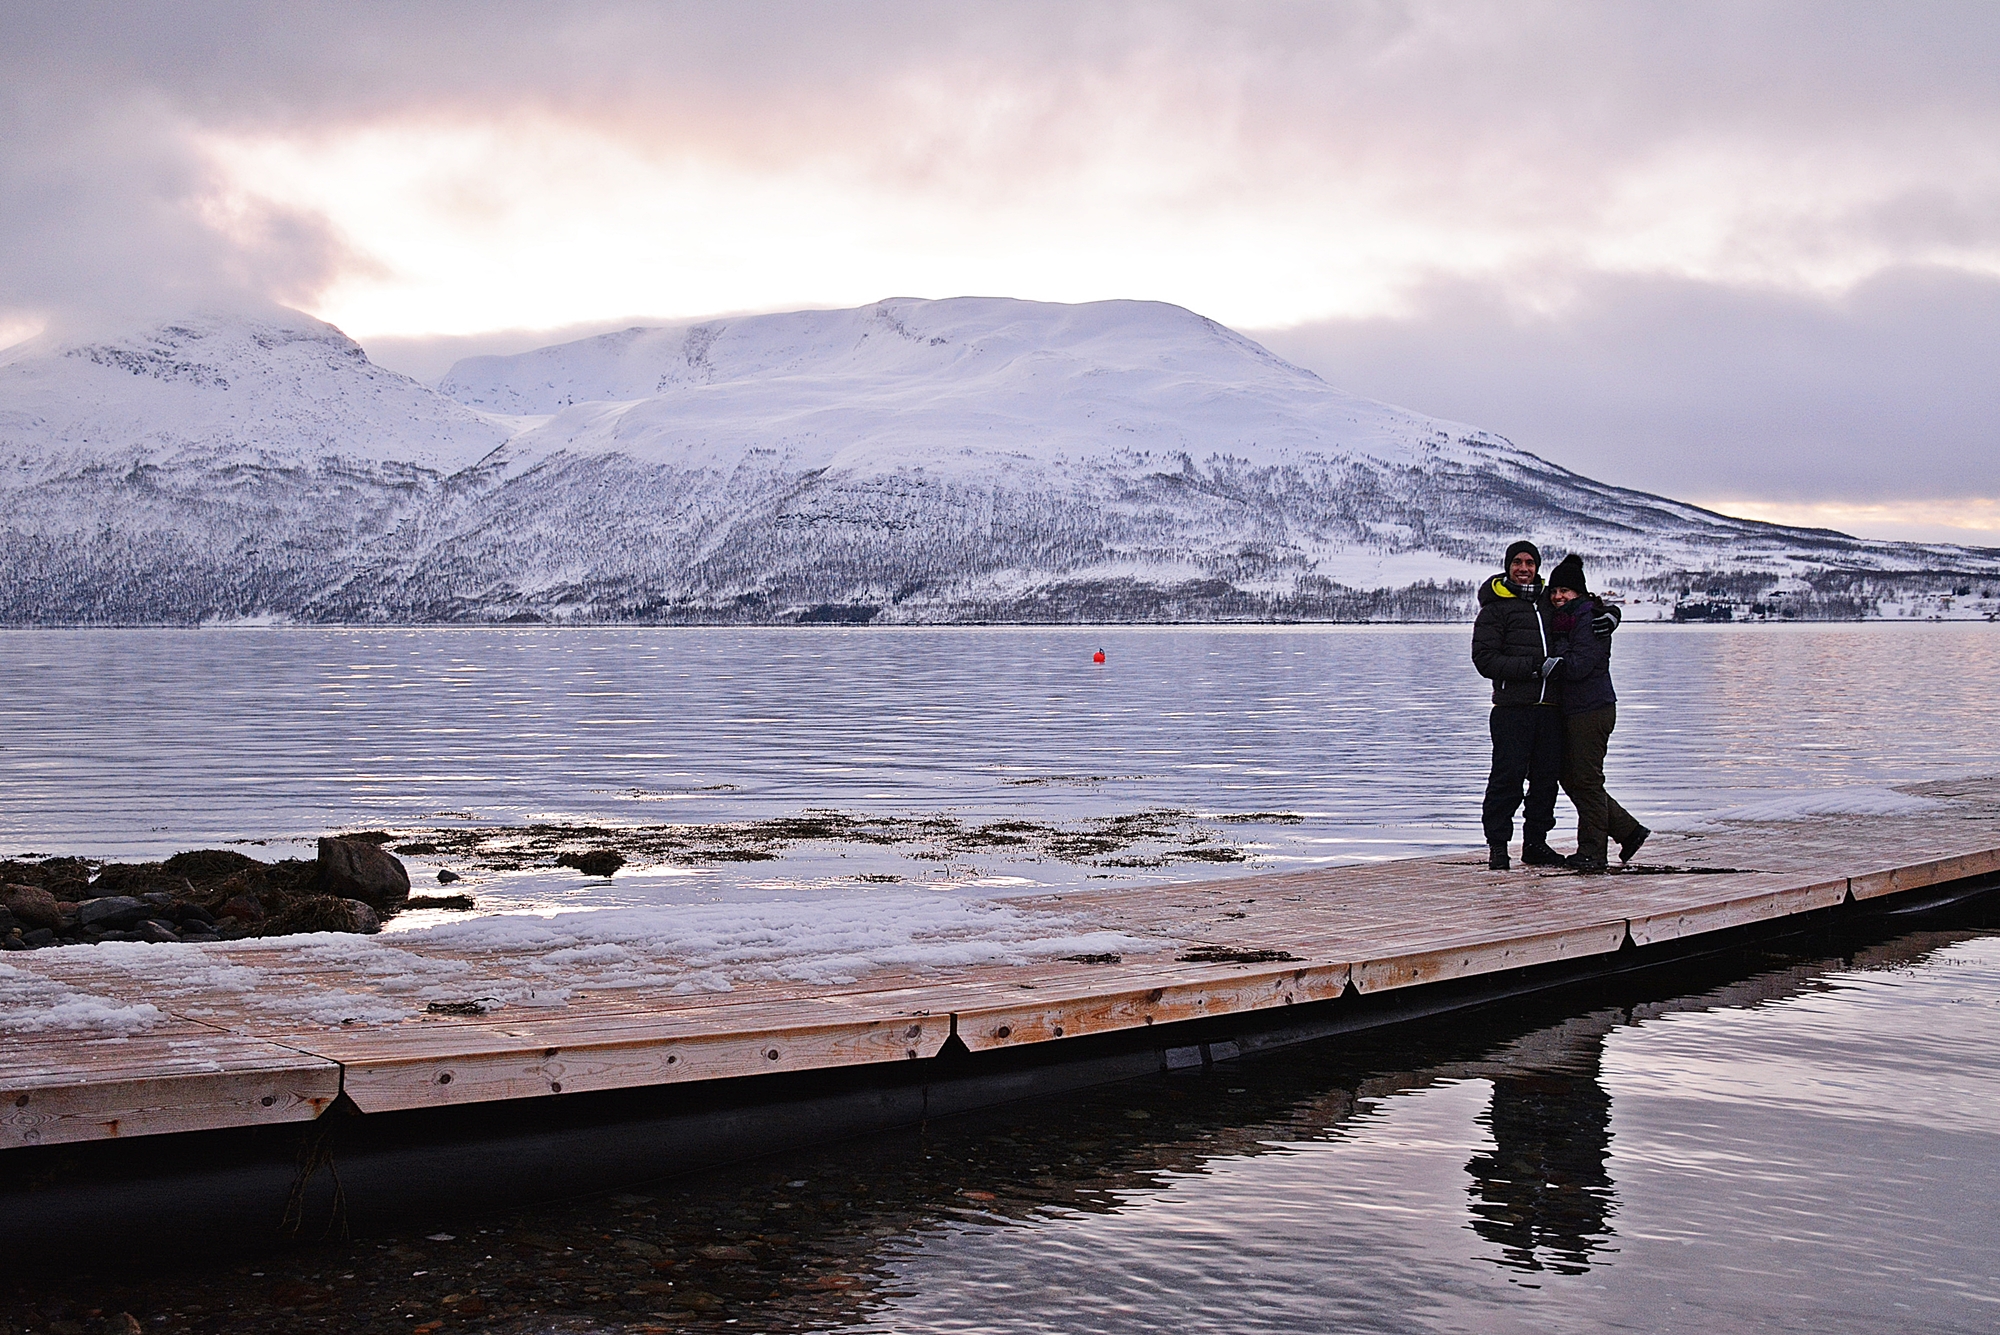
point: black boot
(1496, 858)
(1585, 862)
(1537, 853)
(1627, 847)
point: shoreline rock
(360, 868)
(207, 894)
(596, 862)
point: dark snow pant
(1598, 815)
(1527, 749)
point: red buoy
(1097, 657)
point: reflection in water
(1542, 1193)
(1324, 1188)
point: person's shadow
(1543, 1194)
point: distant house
(1692, 609)
(1788, 598)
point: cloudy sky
(1741, 253)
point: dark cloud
(1890, 392)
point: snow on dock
(126, 1039)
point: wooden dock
(224, 1053)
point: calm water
(1812, 1148)
(1804, 1141)
(140, 743)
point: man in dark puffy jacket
(1512, 645)
(1590, 712)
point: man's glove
(1606, 621)
(1549, 666)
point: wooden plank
(1918, 875)
(1470, 958)
(1042, 1019)
(178, 1078)
(490, 1067)
(1694, 920)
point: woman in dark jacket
(1590, 712)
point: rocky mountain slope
(912, 460)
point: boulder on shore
(361, 869)
(34, 906)
(597, 862)
(204, 895)
(323, 913)
(108, 913)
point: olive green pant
(1598, 815)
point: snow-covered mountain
(906, 461)
(213, 467)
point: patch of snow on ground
(30, 1004)
(404, 982)
(538, 960)
(711, 947)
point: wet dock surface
(253, 1032)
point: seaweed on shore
(1153, 838)
(221, 894)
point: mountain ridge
(909, 460)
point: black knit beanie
(1522, 546)
(1568, 574)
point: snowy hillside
(968, 386)
(220, 391)
(906, 461)
(211, 466)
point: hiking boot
(1585, 862)
(1539, 854)
(1496, 858)
(1627, 847)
